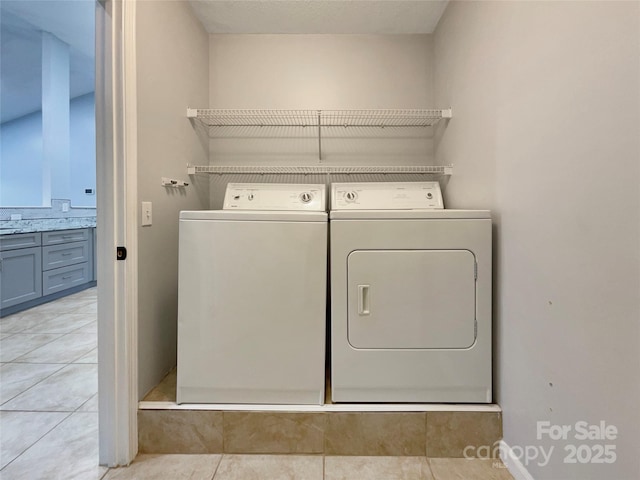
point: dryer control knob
(250, 196)
(306, 197)
(350, 196)
(429, 195)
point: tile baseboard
(432, 433)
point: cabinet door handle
(67, 277)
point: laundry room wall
(546, 106)
(327, 72)
(172, 74)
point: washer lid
(252, 216)
(274, 197)
(386, 196)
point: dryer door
(411, 299)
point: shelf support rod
(319, 138)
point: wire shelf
(382, 118)
(214, 119)
(319, 118)
(255, 118)
(439, 170)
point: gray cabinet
(66, 260)
(21, 240)
(63, 278)
(38, 267)
(63, 255)
(20, 269)
(94, 264)
(65, 236)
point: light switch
(147, 214)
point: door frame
(116, 172)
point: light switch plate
(147, 214)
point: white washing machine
(410, 296)
(252, 297)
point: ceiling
(21, 26)
(319, 16)
(73, 21)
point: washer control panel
(274, 196)
(386, 196)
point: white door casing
(116, 172)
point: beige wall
(172, 74)
(319, 72)
(546, 99)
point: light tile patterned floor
(49, 419)
(306, 467)
(48, 391)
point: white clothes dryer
(252, 297)
(410, 296)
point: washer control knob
(350, 196)
(429, 195)
(306, 197)
(250, 196)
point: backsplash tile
(55, 212)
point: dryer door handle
(364, 300)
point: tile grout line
(20, 331)
(215, 470)
(41, 437)
(13, 360)
(324, 466)
(62, 335)
(63, 365)
(426, 435)
(84, 403)
(433, 475)
(83, 326)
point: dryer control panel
(274, 196)
(386, 196)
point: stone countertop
(8, 227)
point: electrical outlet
(147, 214)
(65, 206)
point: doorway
(114, 174)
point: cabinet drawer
(65, 236)
(66, 277)
(20, 240)
(20, 276)
(56, 256)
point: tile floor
(49, 419)
(306, 467)
(48, 391)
